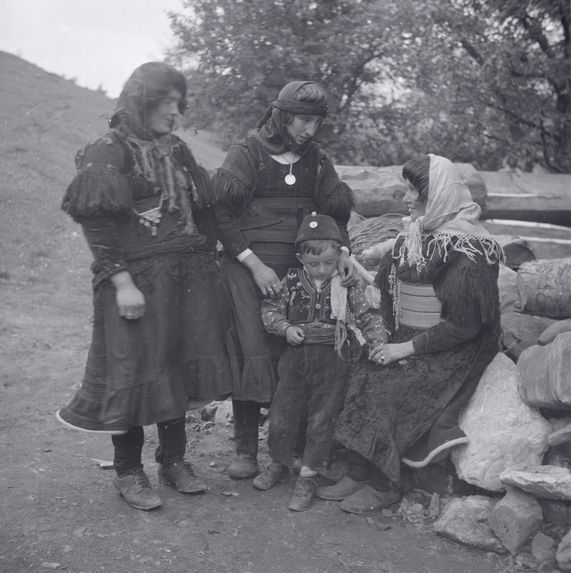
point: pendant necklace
(152, 217)
(290, 177)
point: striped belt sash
(420, 308)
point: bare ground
(59, 507)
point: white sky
(98, 42)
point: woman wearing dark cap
(161, 318)
(267, 184)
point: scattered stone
(434, 507)
(387, 513)
(378, 525)
(224, 414)
(548, 567)
(544, 374)
(48, 565)
(563, 554)
(543, 547)
(229, 493)
(466, 520)
(438, 478)
(104, 464)
(208, 412)
(515, 518)
(504, 432)
(550, 482)
(519, 331)
(552, 331)
(525, 560)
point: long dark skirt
(389, 408)
(259, 351)
(145, 371)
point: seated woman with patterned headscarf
(439, 299)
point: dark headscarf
(142, 92)
(271, 130)
(152, 156)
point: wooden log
(544, 198)
(546, 241)
(544, 288)
(380, 190)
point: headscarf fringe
(442, 244)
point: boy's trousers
(312, 384)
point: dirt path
(59, 507)
(60, 510)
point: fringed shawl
(114, 166)
(451, 220)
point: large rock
(543, 547)
(548, 482)
(466, 520)
(504, 432)
(563, 554)
(520, 331)
(551, 332)
(515, 518)
(544, 288)
(507, 286)
(556, 512)
(545, 374)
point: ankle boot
(246, 419)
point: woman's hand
(347, 270)
(386, 353)
(264, 277)
(130, 300)
(295, 335)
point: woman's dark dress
(258, 210)
(388, 409)
(145, 371)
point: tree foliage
(485, 81)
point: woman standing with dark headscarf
(267, 184)
(161, 315)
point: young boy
(313, 312)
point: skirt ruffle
(145, 371)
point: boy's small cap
(318, 227)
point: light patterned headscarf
(450, 212)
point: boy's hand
(295, 335)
